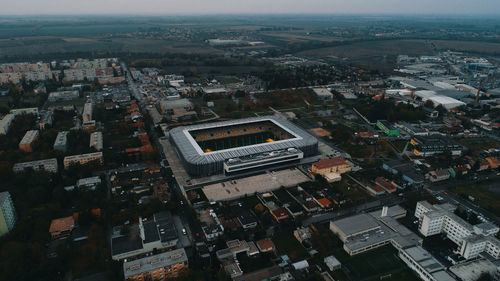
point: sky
(169, 7)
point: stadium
(240, 145)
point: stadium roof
(192, 152)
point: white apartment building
(471, 240)
(5, 123)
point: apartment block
(5, 123)
(61, 142)
(83, 159)
(96, 140)
(7, 213)
(87, 112)
(26, 144)
(49, 165)
(157, 267)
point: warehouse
(240, 145)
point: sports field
(236, 141)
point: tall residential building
(61, 142)
(87, 112)
(96, 140)
(49, 165)
(157, 267)
(26, 144)
(5, 123)
(83, 159)
(7, 213)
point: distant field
(373, 48)
(468, 46)
(475, 144)
(482, 196)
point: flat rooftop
(356, 224)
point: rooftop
(151, 263)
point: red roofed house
(331, 168)
(323, 202)
(279, 214)
(493, 162)
(266, 245)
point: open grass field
(484, 198)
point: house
(244, 216)
(302, 234)
(332, 263)
(493, 162)
(279, 214)
(61, 227)
(439, 175)
(266, 245)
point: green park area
(483, 197)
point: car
(184, 231)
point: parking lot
(233, 189)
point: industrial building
(61, 142)
(471, 240)
(26, 143)
(7, 213)
(240, 145)
(432, 145)
(387, 128)
(48, 165)
(83, 159)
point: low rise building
(156, 267)
(89, 183)
(26, 144)
(63, 96)
(28, 110)
(424, 264)
(83, 159)
(323, 94)
(331, 168)
(266, 245)
(387, 128)
(49, 165)
(433, 145)
(148, 236)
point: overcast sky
(20, 7)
